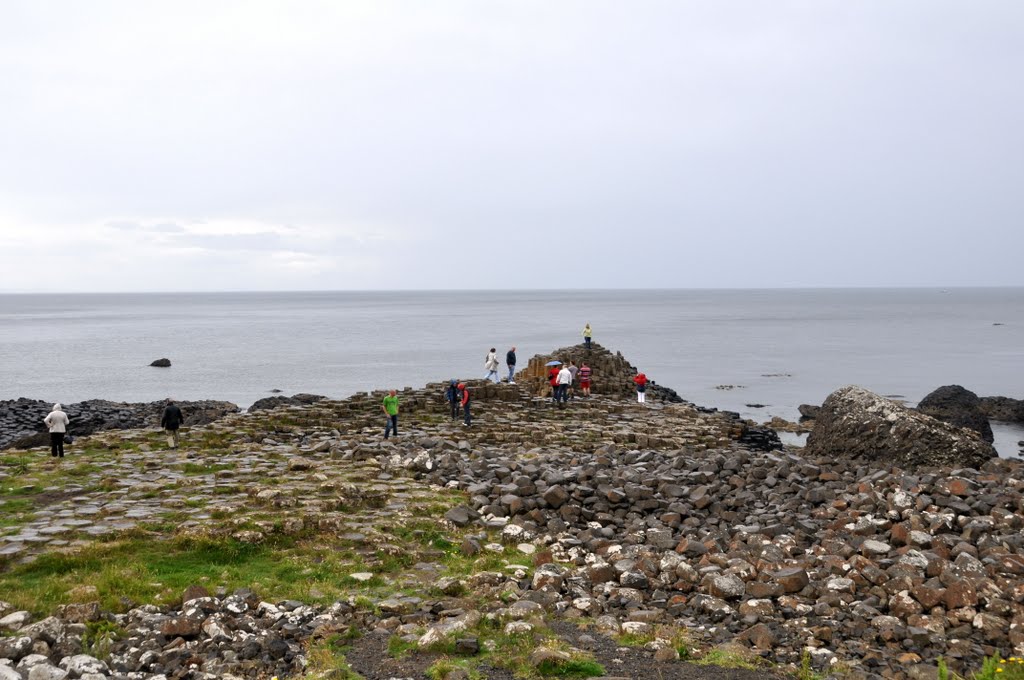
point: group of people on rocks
(563, 380)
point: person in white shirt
(57, 422)
(491, 365)
(564, 380)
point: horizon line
(236, 291)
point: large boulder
(857, 423)
(1003, 408)
(958, 406)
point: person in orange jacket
(641, 388)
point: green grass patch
(205, 469)
(440, 669)
(147, 570)
(99, 636)
(727, 657)
(326, 656)
(997, 667)
(573, 668)
(398, 648)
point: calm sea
(779, 348)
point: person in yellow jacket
(587, 333)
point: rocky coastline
(21, 420)
(633, 521)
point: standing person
(564, 378)
(585, 379)
(171, 421)
(390, 408)
(641, 388)
(467, 418)
(491, 364)
(57, 422)
(572, 383)
(453, 397)
(587, 333)
(510, 361)
(553, 381)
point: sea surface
(724, 348)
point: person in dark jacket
(510, 361)
(171, 421)
(453, 397)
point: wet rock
(161, 363)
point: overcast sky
(581, 144)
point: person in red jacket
(553, 381)
(641, 388)
(467, 418)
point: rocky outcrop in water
(957, 406)
(21, 420)
(1003, 408)
(161, 363)
(857, 424)
(274, 402)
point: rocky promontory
(630, 536)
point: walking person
(390, 408)
(585, 379)
(564, 378)
(453, 396)
(587, 333)
(572, 383)
(57, 422)
(466, 399)
(553, 381)
(171, 421)
(641, 388)
(510, 361)
(491, 364)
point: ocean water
(779, 348)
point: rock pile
(21, 420)
(612, 374)
(233, 636)
(856, 423)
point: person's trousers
(511, 372)
(172, 438)
(391, 426)
(455, 409)
(467, 418)
(586, 341)
(57, 444)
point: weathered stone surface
(957, 406)
(1003, 408)
(858, 424)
